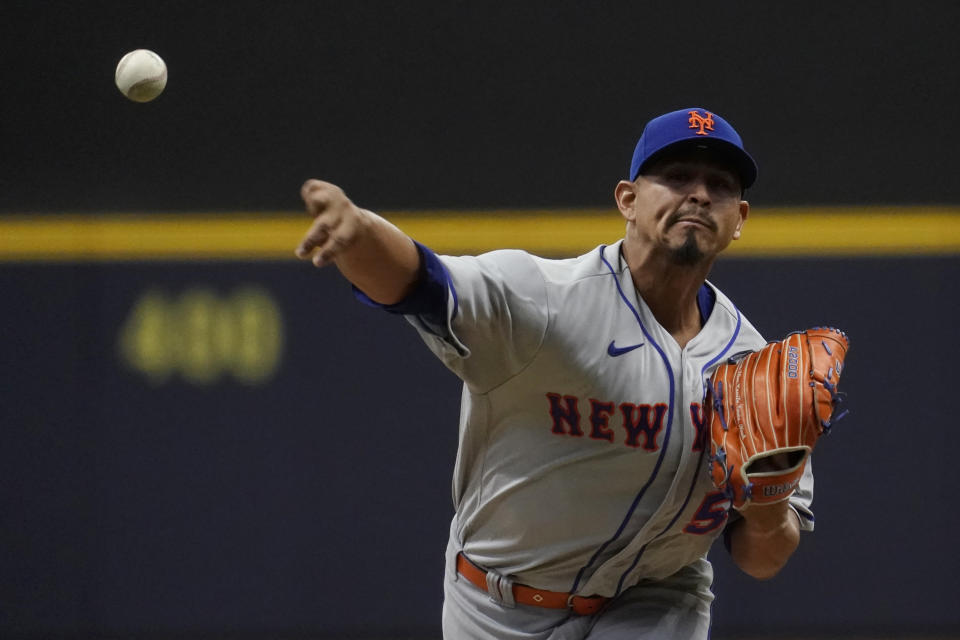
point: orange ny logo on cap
(701, 122)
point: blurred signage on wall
(203, 336)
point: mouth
(698, 222)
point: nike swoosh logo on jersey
(614, 351)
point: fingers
(318, 196)
(316, 236)
(330, 250)
(334, 226)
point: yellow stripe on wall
(860, 231)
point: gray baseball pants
(675, 608)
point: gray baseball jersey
(582, 461)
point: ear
(744, 214)
(625, 194)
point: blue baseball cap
(696, 127)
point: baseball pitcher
(619, 413)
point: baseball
(141, 75)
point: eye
(723, 184)
(677, 176)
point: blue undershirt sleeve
(428, 300)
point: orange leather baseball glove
(769, 407)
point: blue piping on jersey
(686, 501)
(665, 529)
(706, 301)
(666, 437)
(733, 338)
(453, 291)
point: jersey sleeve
(483, 316)
(802, 497)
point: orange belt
(534, 597)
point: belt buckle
(590, 605)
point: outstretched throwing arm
(370, 252)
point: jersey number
(711, 514)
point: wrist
(770, 517)
(764, 539)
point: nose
(698, 192)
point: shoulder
(513, 263)
(588, 265)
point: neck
(669, 289)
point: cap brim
(730, 154)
